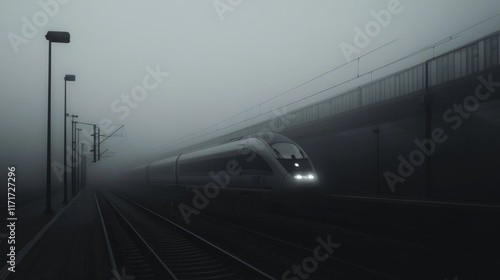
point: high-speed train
(261, 162)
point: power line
(431, 46)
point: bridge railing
(462, 62)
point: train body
(265, 162)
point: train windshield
(287, 151)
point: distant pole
(95, 139)
(72, 157)
(82, 166)
(65, 184)
(73, 149)
(98, 143)
(78, 161)
(48, 209)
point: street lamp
(67, 78)
(52, 37)
(78, 161)
(83, 165)
(73, 149)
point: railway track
(371, 254)
(153, 247)
(357, 270)
(335, 265)
(371, 249)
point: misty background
(222, 58)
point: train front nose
(300, 173)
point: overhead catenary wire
(179, 141)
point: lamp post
(83, 172)
(67, 78)
(78, 160)
(52, 37)
(73, 126)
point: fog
(193, 64)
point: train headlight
(296, 165)
(304, 177)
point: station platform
(68, 244)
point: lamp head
(58, 37)
(71, 78)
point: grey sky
(217, 68)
